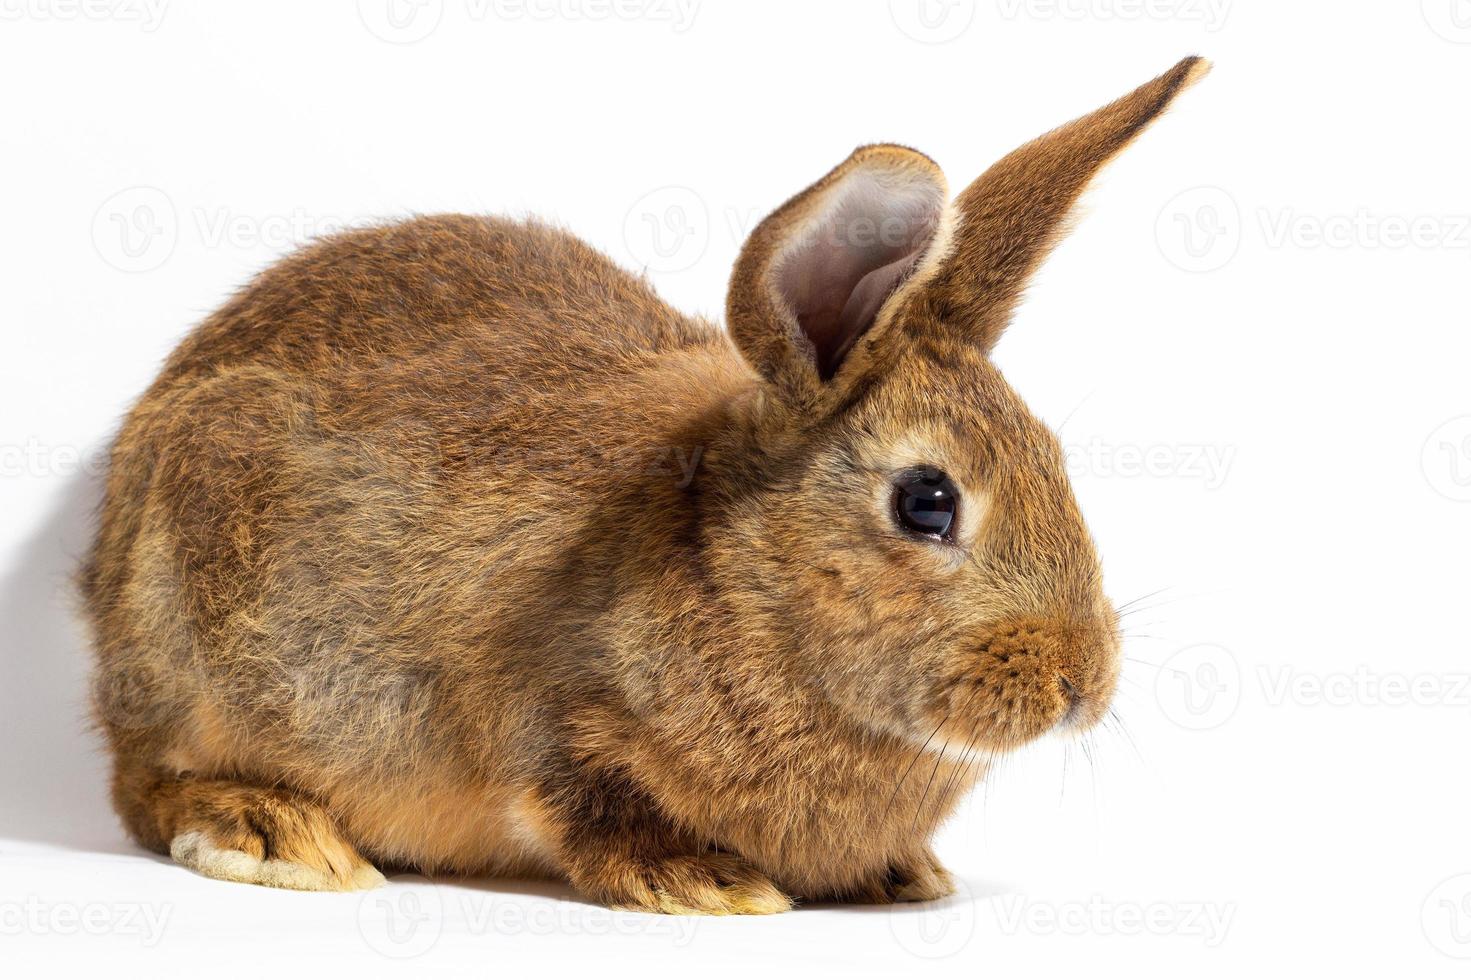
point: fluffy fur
(448, 545)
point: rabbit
(447, 546)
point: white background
(1257, 339)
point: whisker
(1088, 747)
(939, 758)
(1130, 609)
(952, 779)
(1132, 602)
(981, 757)
(972, 748)
(1117, 725)
(912, 762)
(1072, 413)
(970, 735)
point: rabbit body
(386, 530)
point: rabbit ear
(1007, 222)
(813, 276)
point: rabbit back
(352, 535)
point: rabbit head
(898, 510)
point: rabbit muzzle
(1027, 676)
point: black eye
(925, 502)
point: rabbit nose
(1071, 698)
(1069, 691)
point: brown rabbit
(447, 545)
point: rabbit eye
(925, 502)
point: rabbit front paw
(917, 879)
(705, 884)
(923, 880)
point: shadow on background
(53, 772)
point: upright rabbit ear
(1007, 222)
(811, 279)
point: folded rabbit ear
(814, 275)
(1007, 222)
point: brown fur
(448, 544)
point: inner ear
(861, 243)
